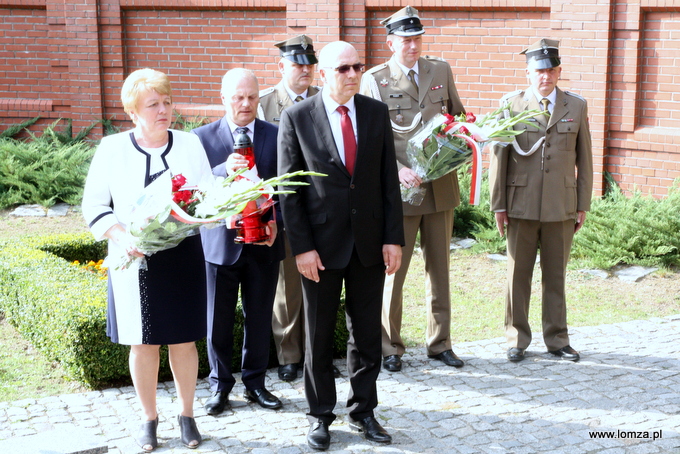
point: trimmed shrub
(61, 309)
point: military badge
(399, 119)
(384, 83)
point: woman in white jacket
(165, 303)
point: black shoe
(263, 397)
(392, 363)
(371, 429)
(449, 358)
(566, 353)
(336, 372)
(319, 437)
(189, 434)
(516, 354)
(288, 372)
(146, 438)
(217, 403)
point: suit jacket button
(422, 106)
(548, 157)
(547, 170)
(547, 144)
(354, 211)
(351, 186)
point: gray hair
(234, 76)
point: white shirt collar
(331, 105)
(406, 69)
(552, 97)
(294, 95)
(233, 126)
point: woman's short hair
(140, 81)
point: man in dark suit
(345, 226)
(252, 267)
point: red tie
(348, 140)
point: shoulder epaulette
(430, 57)
(377, 68)
(511, 94)
(574, 95)
(266, 91)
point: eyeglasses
(357, 67)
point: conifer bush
(632, 230)
(620, 229)
(45, 169)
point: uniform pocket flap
(401, 103)
(439, 96)
(569, 181)
(517, 180)
(567, 128)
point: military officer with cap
(541, 186)
(416, 88)
(296, 65)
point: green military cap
(543, 54)
(298, 49)
(404, 22)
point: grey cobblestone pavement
(626, 386)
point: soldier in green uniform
(541, 186)
(416, 88)
(297, 63)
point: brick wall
(68, 59)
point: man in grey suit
(344, 227)
(252, 268)
(541, 186)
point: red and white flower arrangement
(445, 142)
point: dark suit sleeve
(291, 159)
(392, 206)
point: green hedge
(61, 309)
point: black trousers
(257, 282)
(363, 304)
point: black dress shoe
(288, 372)
(449, 358)
(371, 429)
(392, 363)
(566, 353)
(217, 403)
(319, 437)
(516, 354)
(263, 397)
(336, 372)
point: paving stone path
(625, 388)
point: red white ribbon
(476, 182)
